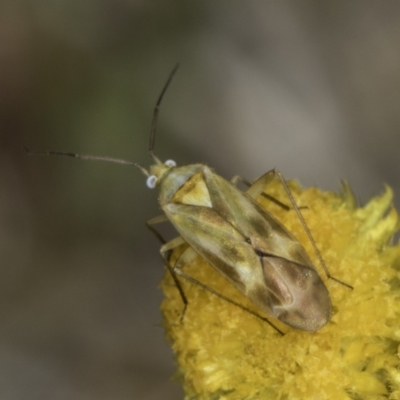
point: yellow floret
(224, 352)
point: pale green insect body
(244, 243)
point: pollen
(224, 352)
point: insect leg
(154, 221)
(221, 296)
(256, 189)
(306, 228)
(164, 251)
(185, 258)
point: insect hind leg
(256, 188)
(223, 297)
(185, 258)
(306, 228)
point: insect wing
(266, 234)
(251, 249)
(215, 239)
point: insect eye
(170, 163)
(151, 181)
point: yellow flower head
(224, 352)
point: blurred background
(310, 87)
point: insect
(241, 240)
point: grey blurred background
(309, 87)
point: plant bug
(241, 240)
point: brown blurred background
(309, 87)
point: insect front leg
(154, 221)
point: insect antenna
(88, 157)
(155, 115)
(118, 160)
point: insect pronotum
(241, 240)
